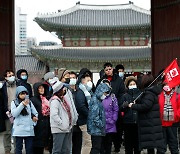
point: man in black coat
(8, 93)
(118, 88)
(22, 76)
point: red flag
(172, 74)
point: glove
(125, 104)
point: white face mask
(11, 79)
(132, 87)
(53, 80)
(1, 85)
(89, 85)
(103, 97)
(121, 74)
(72, 82)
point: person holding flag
(149, 121)
(169, 101)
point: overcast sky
(32, 7)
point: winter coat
(42, 130)
(130, 116)
(23, 125)
(111, 109)
(96, 122)
(21, 82)
(81, 106)
(117, 84)
(5, 100)
(149, 122)
(59, 119)
(2, 112)
(175, 101)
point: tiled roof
(30, 63)
(103, 16)
(92, 53)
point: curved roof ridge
(87, 48)
(95, 7)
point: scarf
(45, 106)
(168, 114)
(68, 110)
(65, 106)
(86, 92)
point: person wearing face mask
(120, 71)
(49, 80)
(22, 76)
(22, 110)
(96, 123)
(118, 88)
(77, 134)
(82, 98)
(169, 101)
(64, 77)
(130, 116)
(42, 129)
(62, 119)
(111, 109)
(8, 92)
(150, 131)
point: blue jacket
(96, 122)
(23, 125)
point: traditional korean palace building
(94, 34)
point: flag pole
(148, 86)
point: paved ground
(2, 150)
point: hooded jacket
(42, 130)
(96, 122)
(117, 84)
(21, 82)
(111, 109)
(59, 119)
(149, 122)
(23, 125)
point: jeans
(62, 143)
(28, 144)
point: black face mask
(67, 80)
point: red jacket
(175, 100)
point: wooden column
(6, 35)
(165, 17)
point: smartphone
(27, 97)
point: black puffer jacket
(21, 82)
(130, 116)
(42, 129)
(149, 122)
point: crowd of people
(65, 113)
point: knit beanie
(62, 72)
(48, 75)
